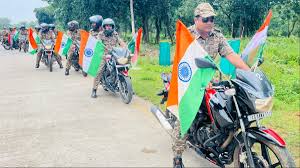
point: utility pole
(132, 18)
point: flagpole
(132, 18)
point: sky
(20, 10)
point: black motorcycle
(227, 126)
(75, 61)
(48, 53)
(6, 44)
(115, 75)
(23, 44)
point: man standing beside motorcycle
(215, 44)
(74, 34)
(110, 38)
(45, 34)
(23, 37)
(96, 24)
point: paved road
(48, 119)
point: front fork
(244, 135)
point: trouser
(179, 144)
(70, 56)
(99, 74)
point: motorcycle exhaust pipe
(161, 118)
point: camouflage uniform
(215, 44)
(109, 42)
(94, 33)
(23, 37)
(75, 36)
(49, 35)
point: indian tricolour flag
(90, 53)
(188, 82)
(34, 40)
(134, 46)
(16, 36)
(254, 48)
(63, 44)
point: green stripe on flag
(96, 60)
(191, 100)
(67, 47)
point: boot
(67, 72)
(177, 162)
(94, 94)
(60, 65)
(37, 65)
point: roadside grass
(281, 66)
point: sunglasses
(207, 19)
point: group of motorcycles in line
(227, 127)
(115, 76)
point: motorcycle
(227, 126)
(6, 44)
(75, 61)
(115, 74)
(48, 53)
(23, 44)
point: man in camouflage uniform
(45, 34)
(23, 36)
(215, 44)
(74, 34)
(96, 24)
(110, 38)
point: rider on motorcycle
(96, 23)
(74, 34)
(23, 36)
(5, 34)
(110, 38)
(214, 43)
(45, 34)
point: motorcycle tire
(125, 88)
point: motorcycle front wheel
(125, 88)
(265, 154)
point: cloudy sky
(20, 10)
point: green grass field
(281, 65)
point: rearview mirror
(203, 63)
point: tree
(45, 14)
(4, 22)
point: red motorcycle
(227, 126)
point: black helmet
(73, 25)
(108, 21)
(37, 27)
(51, 26)
(44, 27)
(96, 19)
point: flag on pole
(254, 48)
(90, 53)
(188, 82)
(63, 44)
(34, 40)
(134, 46)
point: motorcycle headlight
(48, 47)
(122, 60)
(264, 105)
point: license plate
(259, 116)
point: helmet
(37, 27)
(108, 21)
(51, 26)
(97, 19)
(73, 25)
(44, 27)
(22, 27)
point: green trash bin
(164, 53)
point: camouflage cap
(204, 10)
